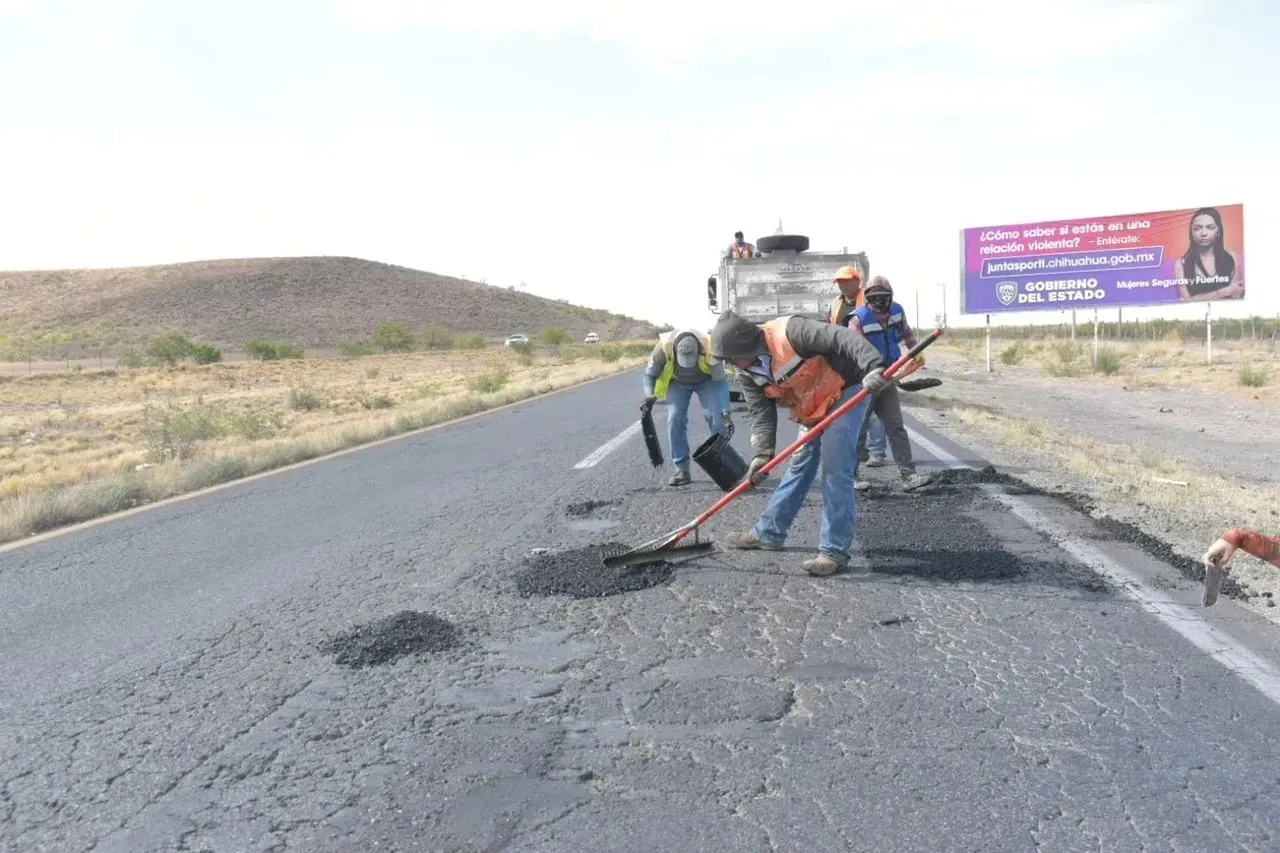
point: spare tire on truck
(783, 242)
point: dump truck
(785, 277)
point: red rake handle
(820, 427)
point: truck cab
(784, 277)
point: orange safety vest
(744, 252)
(809, 387)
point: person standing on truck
(811, 368)
(740, 248)
(883, 323)
(679, 367)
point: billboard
(1160, 258)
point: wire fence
(1257, 329)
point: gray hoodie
(852, 356)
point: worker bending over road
(883, 322)
(809, 367)
(680, 367)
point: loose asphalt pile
(581, 573)
(392, 637)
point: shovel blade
(1212, 581)
(919, 384)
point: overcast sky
(605, 153)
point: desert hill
(311, 302)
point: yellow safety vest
(841, 308)
(669, 369)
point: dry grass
(1129, 475)
(75, 446)
(1245, 370)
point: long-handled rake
(673, 544)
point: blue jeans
(836, 453)
(678, 398)
(877, 441)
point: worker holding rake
(809, 367)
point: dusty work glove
(647, 406)
(919, 360)
(753, 472)
(875, 382)
(1219, 555)
(726, 418)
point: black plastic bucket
(722, 463)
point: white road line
(1220, 646)
(937, 452)
(593, 458)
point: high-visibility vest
(668, 339)
(886, 336)
(743, 251)
(840, 308)
(809, 387)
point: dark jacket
(852, 356)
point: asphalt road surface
(996, 673)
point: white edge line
(594, 457)
(937, 452)
(1218, 644)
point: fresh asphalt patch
(583, 509)
(581, 573)
(392, 637)
(1115, 530)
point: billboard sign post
(1162, 258)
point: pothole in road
(392, 637)
(581, 573)
(583, 509)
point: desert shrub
(393, 337)
(489, 383)
(1252, 376)
(304, 399)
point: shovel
(920, 384)
(673, 544)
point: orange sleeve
(1252, 542)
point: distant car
(512, 340)
(591, 338)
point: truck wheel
(783, 242)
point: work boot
(877, 460)
(912, 481)
(748, 541)
(821, 566)
(680, 478)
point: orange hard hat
(848, 273)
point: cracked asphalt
(967, 686)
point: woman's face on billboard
(1204, 230)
